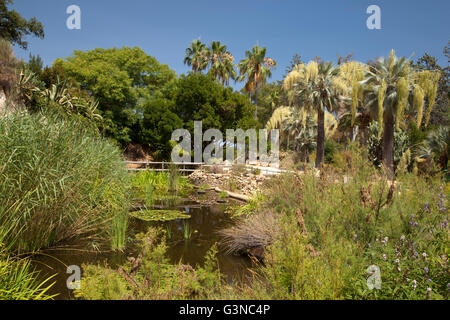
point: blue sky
(164, 28)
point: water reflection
(187, 247)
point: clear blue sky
(164, 28)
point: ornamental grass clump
(59, 181)
(18, 281)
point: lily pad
(159, 215)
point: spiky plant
(437, 144)
(316, 87)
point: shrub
(331, 230)
(59, 181)
(331, 148)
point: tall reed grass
(18, 282)
(59, 181)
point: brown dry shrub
(252, 234)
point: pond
(188, 241)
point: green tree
(254, 70)
(221, 63)
(14, 28)
(387, 89)
(197, 56)
(316, 87)
(436, 144)
(270, 97)
(35, 65)
(120, 79)
(200, 98)
(157, 124)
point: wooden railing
(189, 167)
(184, 167)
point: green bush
(335, 227)
(59, 181)
(331, 148)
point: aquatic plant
(159, 215)
(187, 231)
(146, 276)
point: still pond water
(204, 224)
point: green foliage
(159, 215)
(200, 98)
(292, 271)
(14, 27)
(60, 181)
(157, 124)
(254, 70)
(119, 79)
(17, 280)
(330, 150)
(332, 229)
(152, 185)
(222, 195)
(254, 205)
(153, 278)
(374, 145)
(35, 64)
(413, 265)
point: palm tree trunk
(388, 144)
(256, 102)
(365, 119)
(320, 153)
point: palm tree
(197, 56)
(387, 88)
(254, 70)
(436, 144)
(316, 86)
(221, 63)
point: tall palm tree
(221, 63)
(197, 56)
(316, 86)
(254, 70)
(390, 87)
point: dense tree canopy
(200, 98)
(120, 79)
(13, 27)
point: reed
(59, 181)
